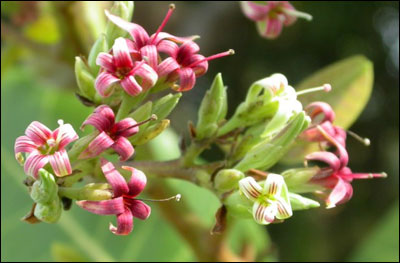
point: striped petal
(64, 135)
(167, 66)
(114, 178)
(271, 28)
(254, 11)
(106, 61)
(124, 127)
(320, 108)
(104, 84)
(341, 193)
(168, 47)
(38, 133)
(137, 182)
(139, 209)
(24, 144)
(122, 57)
(264, 214)
(327, 157)
(163, 36)
(34, 162)
(200, 68)
(149, 53)
(148, 75)
(124, 148)
(250, 188)
(102, 118)
(59, 161)
(137, 32)
(187, 79)
(125, 223)
(130, 85)
(274, 184)
(186, 50)
(101, 143)
(284, 209)
(105, 207)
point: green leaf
(351, 81)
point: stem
(70, 192)
(194, 150)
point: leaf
(44, 30)
(352, 82)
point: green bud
(211, 109)
(84, 79)
(227, 179)
(45, 189)
(49, 212)
(151, 132)
(265, 154)
(299, 202)
(123, 9)
(238, 205)
(298, 179)
(99, 46)
(164, 106)
(92, 192)
(20, 158)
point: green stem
(194, 150)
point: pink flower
(184, 63)
(112, 135)
(123, 204)
(45, 146)
(272, 16)
(119, 67)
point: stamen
(364, 141)
(164, 22)
(175, 197)
(296, 13)
(219, 55)
(325, 87)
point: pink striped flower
(184, 64)
(336, 177)
(112, 135)
(272, 16)
(45, 146)
(119, 67)
(271, 201)
(123, 204)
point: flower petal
(124, 127)
(186, 50)
(264, 213)
(38, 133)
(125, 223)
(167, 66)
(149, 53)
(200, 68)
(250, 188)
(163, 36)
(102, 118)
(104, 84)
(148, 74)
(139, 209)
(274, 184)
(130, 85)
(64, 135)
(137, 182)
(327, 157)
(34, 162)
(59, 161)
(137, 32)
(284, 209)
(341, 193)
(24, 144)
(187, 79)
(122, 57)
(114, 178)
(317, 108)
(271, 27)
(124, 148)
(168, 47)
(105, 207)
(254, 11)
(101, 143)
(106, 61)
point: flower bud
(84, 79)
(297, 179)
(123, 9)
(99, 46)
(299, 202)
(227, 179)
(45, 189)
(211, 109)
(151, 132)
(164, 106)
(49, 212)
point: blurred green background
(38, 43)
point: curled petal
(125, 223)
(255, 11)
(289, 19)
(148, 75)
(122, 57)
(137, 32)
(187, 79)
(149, 53)
(274, 184)
(106, 61)
(64, 135)
(114, 178)
(312, 134)
(264, 213)
(139, 209)
(102, 118)
(137, 182)
(125, 127)
(38, 133)
(186, 50)
(34, 162)
(101, 143)
(341, 193)
(317, 108)
(105, 207)
(167, 66)
(59, 161)
(284, 209)
(124, 148)
(133, 49)
(130, 85)
(271, 28)
(327, 157)
(104, 84)
(201, 67)
(250, 188)
(168, 37)
(24, 144)
(168, 47)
